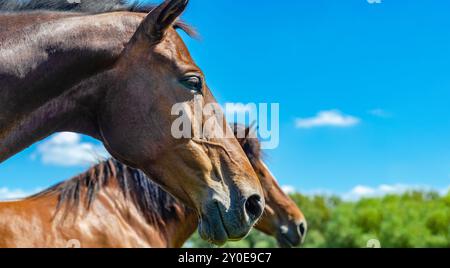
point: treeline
(414, 219)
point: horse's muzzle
(220, 223)
(293, 235)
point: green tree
(414, 219)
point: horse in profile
(112, 205)
(114, 72)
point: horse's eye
(193, 83)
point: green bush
(414, 219)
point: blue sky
(378, 74)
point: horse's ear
(247, 132)
(161, 18)
(250, 131)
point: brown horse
(112, 205)
(115, 76)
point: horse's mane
(91, 6)
(87, 6)
(155, 204)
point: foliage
(414, 219)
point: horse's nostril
(302, 229)
(253, 207)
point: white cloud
(66, 149)
(331, 118)
(11, 194)
(288, 189)
(380, 113)
(362, 191)
(374, 2)
(444, 191)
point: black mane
(92, 6)
(156, 205)
(87, 6)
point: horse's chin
(218, 227)
(286, 242)
(212, 229)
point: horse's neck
(42, 64)
(42, 60)
(181, 229)
(171, 233)
(163, 232)
(112, 215)
(15, 22)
